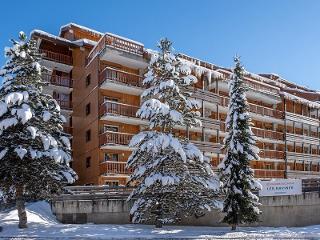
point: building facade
(97, 80)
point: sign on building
(280, 187)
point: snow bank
(42, 224)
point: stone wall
(290, 211)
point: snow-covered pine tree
(34, 151)
(172, 176)
(240, 204)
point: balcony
(302, 139)
(302, 119)
(120, 50)
(210, 123)
(294, 156)
(260, 110)
(268, 173)
(269, 134)
(120, 81)
(208, 147)
(115, 140)
(119, 112)
(58, 80)
(211, 98)
(302, 174)
(274, 154)
(114, 168)
(64, 104)
(56, 57)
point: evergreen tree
(173, 178)
(34, 151)
(240, 204)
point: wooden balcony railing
(118, 43)
(121, 77)
(271, 154)
(268, 173)
(302, 139)
(56, 57)
(111, 167)
(118, 109)
(296, 117)
(264, 133)
(295, 156)
(58, 80)
(207, 146)
(204, 95)
(257, 109)
(64, 104)
(115, 138)
(259, 132)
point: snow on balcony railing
(56, 57)
(117, 138)
(120, 76)
(257, 109)
(112, 167)
(58, 80)
(117, 42)
(118, 109)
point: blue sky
(276, 36)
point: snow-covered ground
(42, 225)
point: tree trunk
(20, 203)
(233, 227)
(158, 223)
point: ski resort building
(97, 80)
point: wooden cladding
(58, 80)
(120, 76)
(56, 57)
(112, 167)
(117, 43)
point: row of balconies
(257, 109)
(119, 168)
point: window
(88, 109)
(112, 183)
(88, 135)
(114, 157)
(110, 128)
(88, 162)
(88, 80)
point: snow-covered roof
(79, 42)
(49, 35)
(300, 100)
(79, 26)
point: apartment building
(97, 79)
